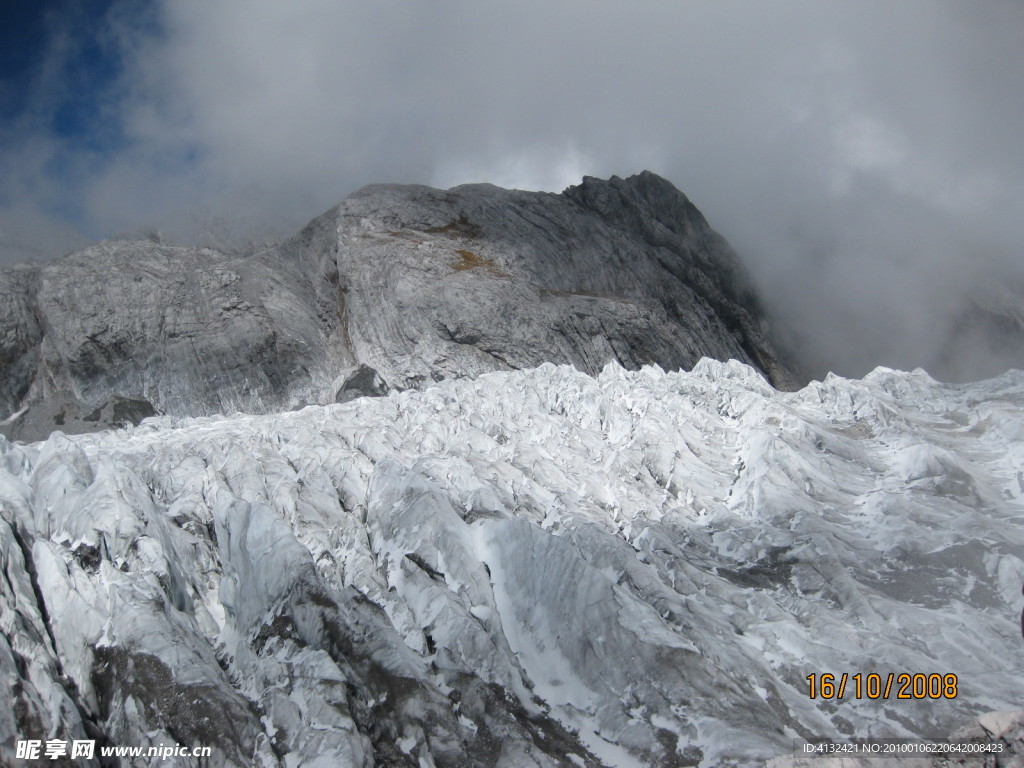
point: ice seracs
(539, 567)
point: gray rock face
(440, 284)
(414, 283)
(74, 418)
(188, 330)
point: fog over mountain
(863, 158)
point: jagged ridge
(396, 287)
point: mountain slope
(529, 568)
(396, 287)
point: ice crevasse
(534, 567)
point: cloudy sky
(865, 157)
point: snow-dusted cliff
(528, 568)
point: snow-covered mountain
(528, 568)
(396, 287)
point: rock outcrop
(396, 287)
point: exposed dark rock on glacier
(73, 417)
(415, 284)
(364, 382)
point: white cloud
(860, 154)
(537, 169)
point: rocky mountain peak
(645, 198)
(399, 286)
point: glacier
(539, 567)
